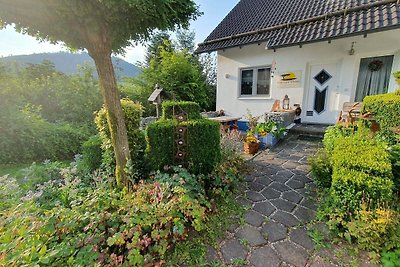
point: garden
(358, 174)
(74, 214)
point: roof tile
(252, 15)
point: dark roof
(282, 23)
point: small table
(225, 120)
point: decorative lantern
(286, 102)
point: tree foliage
(102, 27)
(183, 75)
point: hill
(68, 63)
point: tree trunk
(115, 115)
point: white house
(321, 53)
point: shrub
(361, 172)
(332, 133)
(374, 229)
(385, 109)
(102, 227)
(203, 144)
(171, 108)
(26, 137)
(395, 158)
(321, 169)
(136, 139)
(362, 154)
(91, 153)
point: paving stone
(244, 202)
(292, 254)
(319, 262)
(296, 157)
(304, 167)
(300, 237)
(285, 173)
(271, 170)
(295, 184)
(291, 165)
(303, 178)
(232, 249)
(212, 254)
(270, 193)
(265, 208)
(252, 235)
(254, 218)
(254, 196)
(279, 187)
(274, 231)
(309, 203)
(248, 178)
(280, 179)
(304, 215)
(264, 180)
(285, 218)
(265, 257)
(292, 196)
(322, 228)
(255, 186)
(282, 204)
(277, 162)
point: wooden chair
(350, 113)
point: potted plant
(269, 133)
(396, 75)
(251, 144)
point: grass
(12, 169)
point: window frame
(254, 94)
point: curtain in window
(373, 82)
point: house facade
(320, 53)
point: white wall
(230, 61)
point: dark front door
(374, 76)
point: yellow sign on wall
(289, 79)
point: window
(255, 81)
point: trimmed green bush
(92, 153)
(362, 171)
(362, 154)
(169, 108)
(385, 108)
(203, 148)
(133, 112)
(321, 169)
(332, 133)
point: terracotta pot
(251, 148)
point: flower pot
(268, 140)
(251, 148)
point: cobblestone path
(281, 202)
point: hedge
(332, 133)
(362, 171)
(203, 148)
(385, 108)
(133, 112)
(171, 108)
(359, 153)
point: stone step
(309, 130)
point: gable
(282, 23)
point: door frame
(307, 85)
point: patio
(281, 202)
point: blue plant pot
(268, 140)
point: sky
(14, 43)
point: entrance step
(309, 131)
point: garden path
(281, 203)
